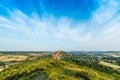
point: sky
(70, 25)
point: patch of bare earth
(57, 55)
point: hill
(52, 69)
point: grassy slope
(50, 69)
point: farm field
(109, 64)
(7, 58)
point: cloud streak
(101, 32)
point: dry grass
(109, 64)
(1, 68)
(115, 55)
(7, 58)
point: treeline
(91, 62)
(111, 59)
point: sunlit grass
(109, 64)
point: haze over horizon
(36, 25)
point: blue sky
(59, 24)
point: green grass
(51, 69)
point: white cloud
(102, 32)
(106, 11)
(40, 28)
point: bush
(83, 74)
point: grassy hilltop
(49, 68)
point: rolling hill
(53, 69)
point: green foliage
(51, 69)
(83, 74)
(2, 63)
(111, 59)
(90, 61)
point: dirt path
(57, 55)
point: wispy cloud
(103, 29)
(40, 27)
(106, 18)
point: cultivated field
(109, 64)
(7, 58)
